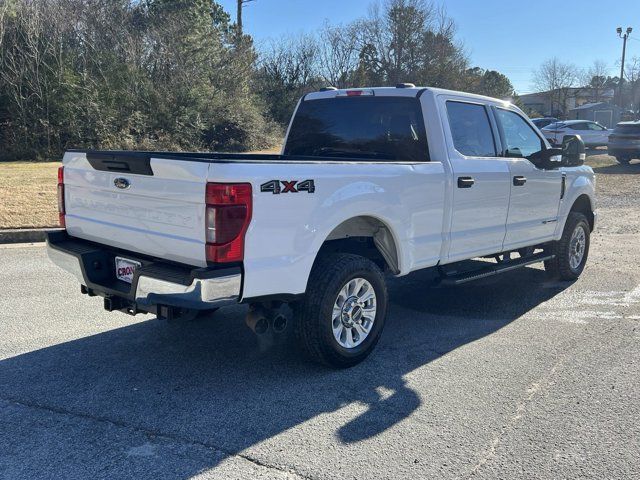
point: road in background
(510, 377)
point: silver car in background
(543, 121)
(592, 133)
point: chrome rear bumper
(202, 293)
(204, 289)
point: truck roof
(404, 91)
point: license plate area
(125, 269)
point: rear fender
(355, 200)
(288, 229)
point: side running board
(493, 269)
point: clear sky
(513, 37)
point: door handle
(465, 182)
(519, 181)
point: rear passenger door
(535, 192)
(481, 181)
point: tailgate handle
(116, 166)
(130, 162)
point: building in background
(558, 103)
(606, 114)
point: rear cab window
(471, 129)
(366, 127)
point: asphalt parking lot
(510, 377)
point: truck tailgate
(157, 212)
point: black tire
(313, 316)
(560, 266)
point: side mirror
(547, 159)
(573, 151)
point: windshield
(375, 128)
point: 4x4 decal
(288, 186)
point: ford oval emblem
(122, 183)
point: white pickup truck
(369, 181)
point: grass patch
(28, 194)
(599, 161)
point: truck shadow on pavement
(207, 383)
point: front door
(535, 192)
(481, 185)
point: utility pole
(624, 49)
(239, 20)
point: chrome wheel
(577, 246)
(354, 312)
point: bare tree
(445, 57)
(595, 78)
(410, 41)
(555, 79)
(288, 68)
(394, 30)
(338, 54)
(106, 74)
(25, 71)
(632, 72)
(4, 8)
(291, 61)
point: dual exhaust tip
(261, 321)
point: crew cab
(371, 183)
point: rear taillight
(227, 217)
(61, 211)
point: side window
(596, 127)
(579, 126)
(470, 129)
(520, 140)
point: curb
(25, 235)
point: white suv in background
(592, 133)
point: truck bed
(138, 162)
